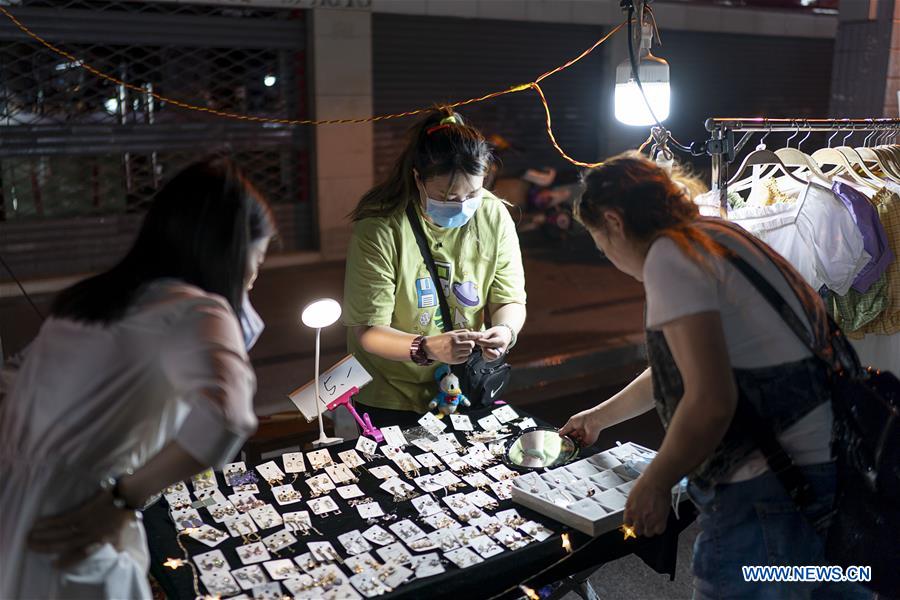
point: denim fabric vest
(781, 394)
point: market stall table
(539, 562)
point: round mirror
(540, 448)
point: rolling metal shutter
(419, 60)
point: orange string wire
(256, 119)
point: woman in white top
(138, 379)
(713, 339)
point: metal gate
(419, 60)
(80, 157)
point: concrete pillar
(892, 90)
(342, 72)
(866, 71)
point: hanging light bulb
(631, 108)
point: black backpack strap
(422, 242)
(777, 458)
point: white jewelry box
(566, 501)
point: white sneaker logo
(494, 392)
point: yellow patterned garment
(888, 205)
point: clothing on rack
(888, 322)
(875, 239)
(811, 229)
(867, 187)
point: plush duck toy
(449, 395)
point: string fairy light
(566, 543)
(174, 563)
(628, 531)
(535, 85)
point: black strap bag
(481, 380)
(865, 525)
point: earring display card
(250, 577)
(489, 423)
(429, 461)
(588, 495)
(351, 458)
(461, 422)
(270, 471)
(220, 583)
(362, 563)
(208, 535)
(393, 436)
(281, 569)
(406, 530)
(350, 491)
(427, 565)
(395, 553)
(366, 446)
(502, 489)
(269, 591)
(253, 553)
(426, 505)
(286, 494)
(319, 459)
(485, 546)
(320, 506)
(477, 480)
(464, 557)
(379, 535)
(505, 414)
(340, 473)
(293, 462)
(266, 517)
(370, 510)
(209, 562)
(384, 472)
(279, 541)
(241, 525)
(354, 543)
(432, 424)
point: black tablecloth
(497, 575)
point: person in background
(390, 302)
(713, 339)
(137, 380)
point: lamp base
(326, 441)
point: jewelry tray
(594, 514)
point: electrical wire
(257, 119)
(635, 73)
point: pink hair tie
(434, 128)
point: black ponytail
(439, 144)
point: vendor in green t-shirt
(390, 303)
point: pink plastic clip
(365, 423)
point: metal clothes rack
(722, 149)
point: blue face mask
(451, 214)
(251, 323)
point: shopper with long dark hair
(138, 379)
(714, 341)
(390, 301)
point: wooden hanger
(762, 157)
(881, 160)
(833, 156)
(794, 157)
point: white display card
(293, 462)
(505, 414)
(367, 446)
(432, 424)
(461, 422)
(393, 436)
